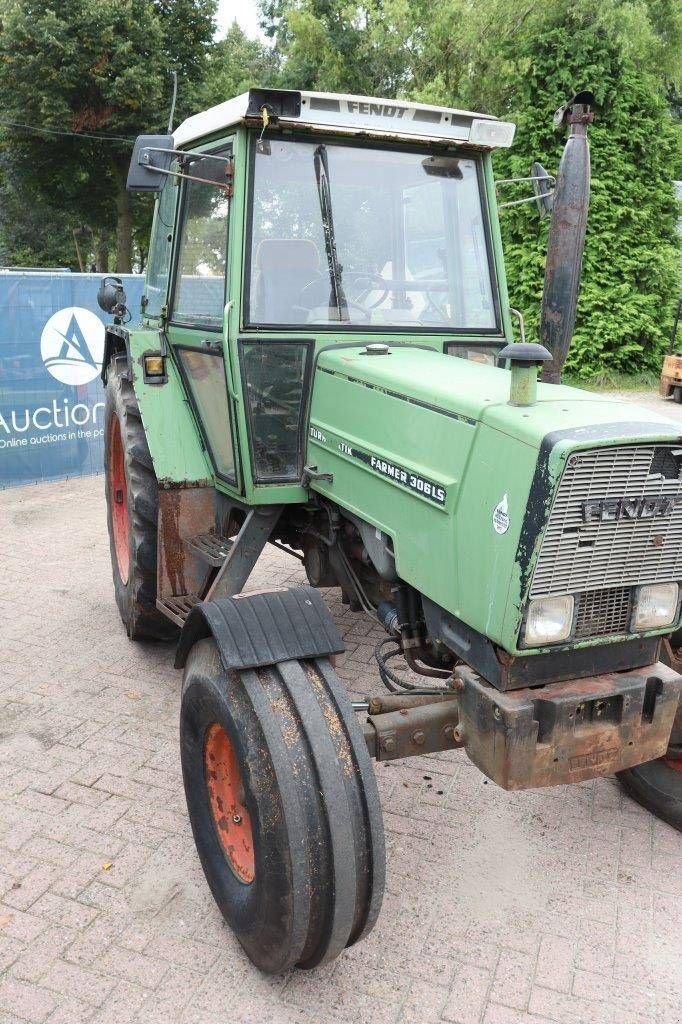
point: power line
(73, 135)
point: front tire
(132, 510)
(657, 785)
(283, 805)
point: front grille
(578, 555)
(602, 612)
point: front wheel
(283, 805)
(657, 785)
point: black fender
(255, 630)
(116, 339)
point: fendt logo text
(607, 510)
(72, 345)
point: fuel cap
(377, 348)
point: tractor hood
(480, 393)
(427, 448)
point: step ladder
(211, 549)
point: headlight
(655, 605)
(549, 620)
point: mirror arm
(183, 154)
(227, 187)
(531, 177)
(517, 202)
(522, 326)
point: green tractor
(326, 363)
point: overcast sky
(244, 11)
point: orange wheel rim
(118, 490)
(673, 763)
(226, 798)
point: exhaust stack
(524, 358)
(566, 235)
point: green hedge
(630, 279)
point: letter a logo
(72, 345)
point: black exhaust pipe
(566, 235)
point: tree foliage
(630, 264)
(94, 68)
(101, 67)
(236, 63)
(520, 61)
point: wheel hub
(118, 489)
(226, 798)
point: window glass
(475, 353)
(274, 375)
(158, 264)
(370, 236)
(205, 372)
(200, 286)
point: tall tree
(98, 69)
(235, 64)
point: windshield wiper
(337, 297)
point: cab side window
(158, 264)
(200, 281)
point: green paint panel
(392, 427)
(174, 441)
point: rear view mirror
(150, 163)
(543, 184)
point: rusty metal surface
(571, 731)
(672, 656)
(420, 729)
(183, 514)
(395, 701)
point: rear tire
(284, 807)
(657, 785)
(132, 510)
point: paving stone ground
(559, 905)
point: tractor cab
(287, 222)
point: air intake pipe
(566, 235)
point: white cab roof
(350, 115)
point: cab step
(177, 607)
(211, 548)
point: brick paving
(557, 906)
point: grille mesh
(580, 556)
(602, 612)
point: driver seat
(283, 266)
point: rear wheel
(132, 510)
(657, 785)
(283, 805)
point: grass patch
(608, 381)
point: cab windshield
(368, 237)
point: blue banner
(51, 395)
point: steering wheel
(307, 301)
(375, 283)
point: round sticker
(501, 516)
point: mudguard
(254, 630)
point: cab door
(197, 301)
